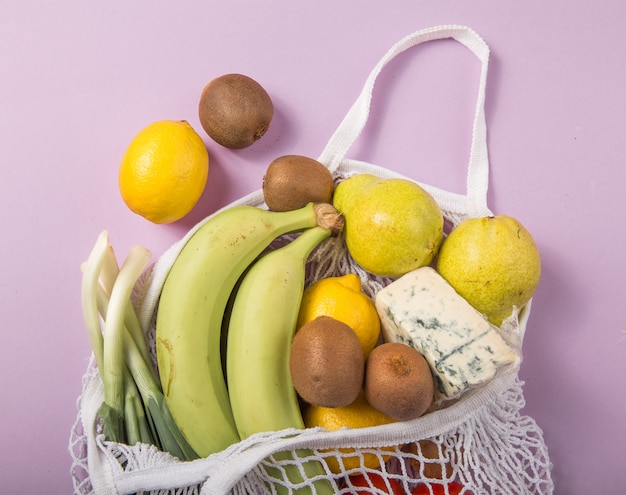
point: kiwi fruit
(235, 110)
(431, 459)
(398, 381)
(292, 181)
(326, 363)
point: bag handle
(354, 121)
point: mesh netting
(481, 441)
(494, 451)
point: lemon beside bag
(482, 442)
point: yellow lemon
(164, 171)
(343, 299)
(359, 414)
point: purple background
(80, 79)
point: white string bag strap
(475, 202)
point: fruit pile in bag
(243, 340)
(344, 301)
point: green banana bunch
(262, 324)
(191, 308)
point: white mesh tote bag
(480, 444)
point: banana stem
(329, 218)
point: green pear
(493, 262)
(351, 189)
(392, 226)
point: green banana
(190, 312)
(262, 324)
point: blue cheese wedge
(463, 349)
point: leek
(168, 433)
(135, 421)
(91, 273)
(108, 275)
(114, 330)
(138, 428)
(134, 407)
(111, 417)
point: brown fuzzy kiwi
(398, 381)
(235, 110)
(432, 460)
(292, 181)
(326, 363)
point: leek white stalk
(108, 276)
(91, 273)
(143, 415)
(138, 427)
(114, 328)
(136, 423)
